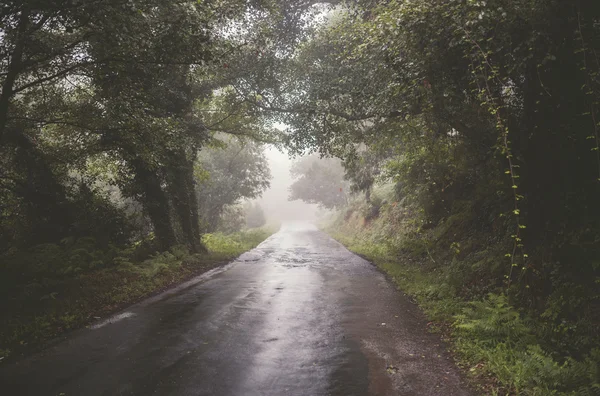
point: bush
(513, 351)
(492, 332)
(232, 219)
(255, 216)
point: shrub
(255, 216)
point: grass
(34, 316)
(492, 341)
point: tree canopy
(484, 115)
(104, 95)
(319, 181)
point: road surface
(298, 315)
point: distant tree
(233, 219)
(255, 216)
(227, 173)
(319, 181)
(363, 167)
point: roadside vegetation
(503, 349)
(126, 157)
(42, 309)
(481, 120)
(130, 129)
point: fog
(275, 201)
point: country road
(298, 315)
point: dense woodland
(122, 143)
(118, 123)
(141, 122)
(472, 129)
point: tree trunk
(156, 203)
(184, 200)
(45, 198)
(14, 68)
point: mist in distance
(275, 200)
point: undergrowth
(505, 350)
(44, 306)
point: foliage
(319, 181)
(490, 337)
(493, 332)
(237, 242)
(255, 216)
(51, 304)
(106, 109)
(484, 114)
(226, 175)
(233, 219)
(463, 110)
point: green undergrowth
(44, 307)
(503, 350)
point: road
(298, 315)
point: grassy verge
(31, 318)
(493, 342)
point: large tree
(487, 111)
(125, 83)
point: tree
(229, 172)
(126, 83)
(233, 219)
(490, 106)
(319, 181)
(255, 216)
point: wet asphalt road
(298, 315)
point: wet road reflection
(298, 315)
